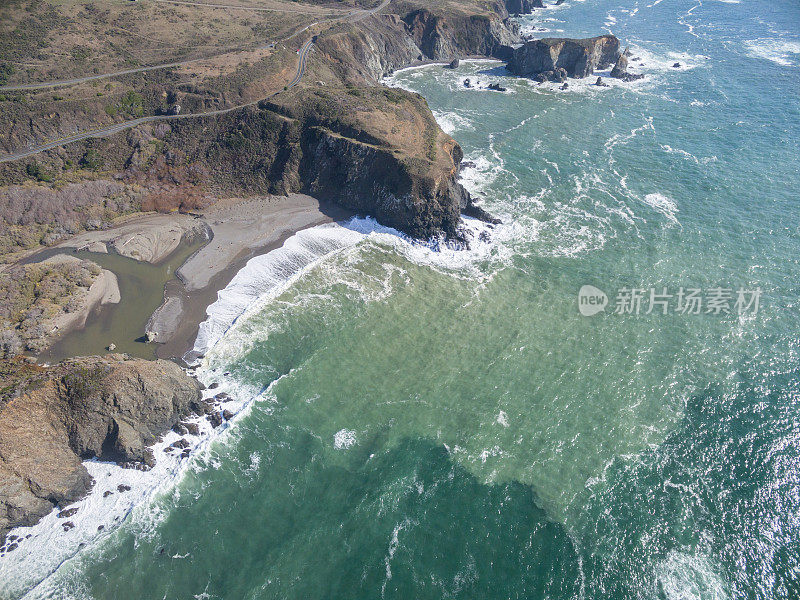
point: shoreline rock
(620, 70)
(111, 408)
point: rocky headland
(340, 134)
(555, 59)
(52, 418)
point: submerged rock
(600, 82)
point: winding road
(303, 53)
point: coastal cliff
(381, 153)
(523, 7)
(52, 418)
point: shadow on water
(141, 287)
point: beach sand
(240, 229)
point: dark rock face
(108, 407)
(577, 57)
(559, 75)
(441, 37)
(620, 70)
(522, 7)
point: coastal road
(301, 67)
(303, 53)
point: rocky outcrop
(111, 408)
(554, 59)
(620, 70)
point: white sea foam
(685, 576)
(664, 205)
(450, 122)
(654, 61)
(479, 173)
(785, 53)
(688, 155)
(344, 438)
(265, 276)
(502, 419)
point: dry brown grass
(56, 39)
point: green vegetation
(394, 96)
(81, 382)
(92, 160)
(36, 171)
(130, 105)
(80, 53)
(6, 71)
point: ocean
(416, 421)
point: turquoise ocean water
(450, 426)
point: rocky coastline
(52, 418)
(347, 140)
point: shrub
(37, 172)
(92, 160)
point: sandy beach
(239, 229)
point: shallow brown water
(142, 289)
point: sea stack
(620, 70)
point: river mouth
(141, 287)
